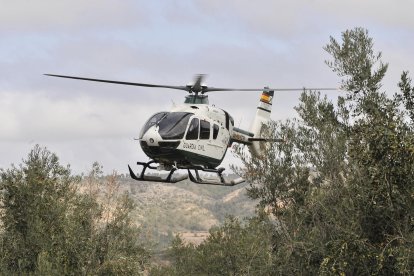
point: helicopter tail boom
(247, 138)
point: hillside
(164, 210)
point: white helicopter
(195, 136)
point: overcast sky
(237, 43)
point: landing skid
(153, 178)
(221, 181)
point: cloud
(386, 13)
(64, 15)
(308, 18)
(38, 117)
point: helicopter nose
(151, 137)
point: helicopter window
(152, 121)
(192, 133)
(227, 119)
(204, 130)
(231, 120)
(215, 131)
(173, 125)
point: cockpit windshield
(173, 125)
(152, 121)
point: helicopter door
(197, 137)
(192, 132)
(206, 140)
(192, 138)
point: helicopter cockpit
(171, 125)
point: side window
(192, 133)
(215, 131)
(204, 130)
(227, 119)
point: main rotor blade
(123, 82)
(196, 87)
(213, 89)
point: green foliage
(35, 197)
(407, 96)
(53, 225)
(232, 249)
(356, 61)
(343, 185)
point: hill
(164, 210)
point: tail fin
(261, 120)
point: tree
(343, 185)
(381, 153)
(50, 225)
(231, 249)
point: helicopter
(195, 136)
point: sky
(239, 44)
